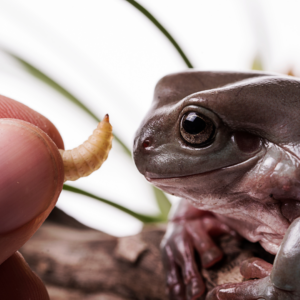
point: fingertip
(33, 174)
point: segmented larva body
(88, 157)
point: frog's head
(207, 129)
(230, 143)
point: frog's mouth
(152, 177)
(244, 165)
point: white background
(110, 56)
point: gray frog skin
(228, 144)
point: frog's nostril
(146, 143)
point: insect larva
(88, 157)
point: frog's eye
(197, 129)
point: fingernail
(30, 173)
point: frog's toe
(184, 256)
(181, 268)
(176, 292)
(175, 287)
(194, 289)
(241, 291)
(255, 268)
(209, 252)
(260, 289)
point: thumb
(31, 180)
(15, 272)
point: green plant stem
(162, 202)
(142, 218)
(162, 29)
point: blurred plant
(162, 201)
(257, 63)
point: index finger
(33, 176)
(30, 184)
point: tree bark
(76, 262)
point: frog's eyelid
(89, 156)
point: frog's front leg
(190, 229)
(281, 284)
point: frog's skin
(244, 179)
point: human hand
(31, 180)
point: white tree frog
(228, 144)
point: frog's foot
(182, 238)
(281, 284)
(261, 289)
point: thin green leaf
(46, 79)
(162, 29)
(163, 203)
(143, 218)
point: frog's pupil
(193, 124)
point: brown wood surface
(77, 262)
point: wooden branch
(77, 262)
